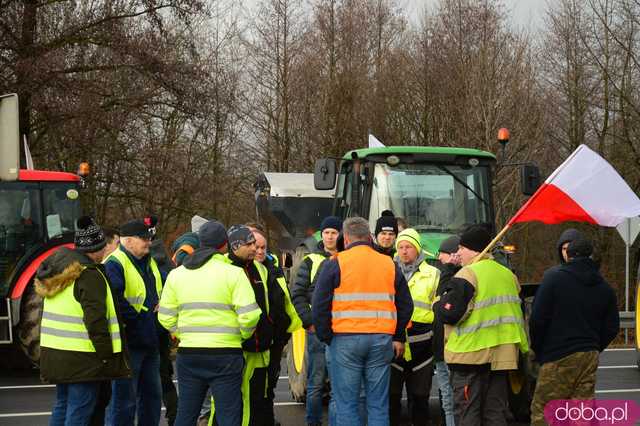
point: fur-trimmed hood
(57, 272)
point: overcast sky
(526, 13)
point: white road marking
(617, 390)
(16, 387)
(619, 349)
(613, 367)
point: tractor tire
(29, 327)
(297, 365)
(637, 326)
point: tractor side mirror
(529, 179)
(324, 174)
(9, 138)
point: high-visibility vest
(134, 289)
(63, 327)
(496, 318)
(207, 315)
(422, 285)
(296, 322)
(364, 300)
(316, 261)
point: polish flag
(585, 188)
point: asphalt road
(25, 401)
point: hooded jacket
(575, 309)
(62, 366)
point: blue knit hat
(332, 222)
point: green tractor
(437, 190)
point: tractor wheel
(29, 326)
(637, 327)
(297, 365)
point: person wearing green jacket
(210, 307)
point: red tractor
(38, 212)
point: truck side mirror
(9, 138)
(529, 179)
(324, 174)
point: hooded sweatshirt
(575, 309)
(54, 275)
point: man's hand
(398, 349)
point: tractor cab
(438, 191)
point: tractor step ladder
(6, 327)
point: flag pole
(492, 243)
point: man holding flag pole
(585, 188)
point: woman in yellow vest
(484, 330)
(415, 369)
(80, 332)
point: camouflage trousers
(571, 377)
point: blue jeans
(75, 403)
(362, 405)
(142, 394)
(358, 359)
(222, 375)
(316, 378)
(446, 393)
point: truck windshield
(431, 198)
(20, 226)
(61, 208)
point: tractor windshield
(431, 197)
(19, 226)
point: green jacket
(63, 366)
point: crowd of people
(380, 314)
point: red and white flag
(585, 188)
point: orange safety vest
(364, 301)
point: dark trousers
(102, 401)
(273, 375)
(479, 396)
(169, 394)
(260, 407)
(418, 384)
(222, 375)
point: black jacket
(90, 290)
(302, 288)
(575, 310)
(447, 271)
(277, 300)
(262, 338)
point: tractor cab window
(19, 226)
(61, 208)
(430, 197)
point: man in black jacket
(574, 318)
(449, 265)
(80, 331)
(301, 294)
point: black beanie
(89, 237)
(386, 222)
(332, 222)
(476, 238)
(450, 245)
(212, 235)
(580, 247)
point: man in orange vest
(361, 307)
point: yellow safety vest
(135, 291)
(213, 304)
(63, 327)
(496, 318)
(316, 261)
(296, 322)
(422, 285)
